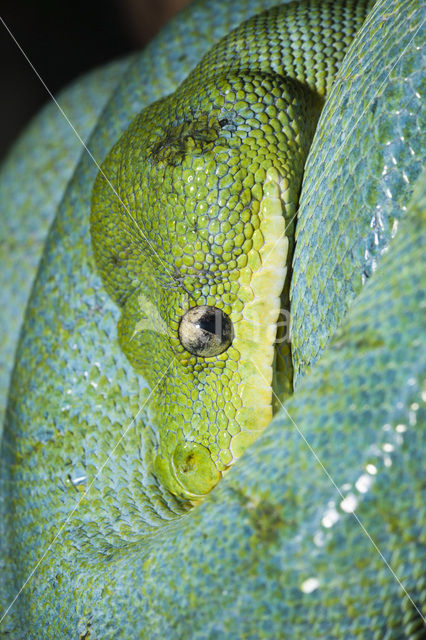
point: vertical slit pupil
(211, 322)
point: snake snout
(191, 471)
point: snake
(215, 407)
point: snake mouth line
(190, 468)
(259, 326)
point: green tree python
(177, 461)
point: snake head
(192, 211)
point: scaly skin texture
(28, 210)
(274, 551)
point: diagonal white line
(159, 381)
(126, 209)
(95, 477)
(363, 529)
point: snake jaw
(209, 172)
(257, 329)
(187, 468)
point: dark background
(63, 40)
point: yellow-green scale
(207, 183)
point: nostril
(194, 468)
(190, 464)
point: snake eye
(205, 331)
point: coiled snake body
(127, 405)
